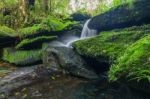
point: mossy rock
(136, 12)
(34, 43)
(107, 46)
(49, 26)
(6, 31)
(134, 65)
(79, 16)
(21, 57)
(8, 36)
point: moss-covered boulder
(49, 26)
(135, 12)
(109, 45)
(7, 36)
(79, 16)
(134, 65)
(21, 57)
(34, 43)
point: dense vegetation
(126, 50)
(111, 44)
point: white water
(87, 32)
(68, 40)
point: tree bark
(24, 6)
(45, 5)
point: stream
(67, 40)
(63, 86)
(67, 87)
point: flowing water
(87, 32)
(66, 87)
(68, 40)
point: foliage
(134, 64)
(48, 25)
(34, 42)
(36, 13)
(7, 3)
(110, 44)
(31, 30)
(21, 57)
(106, 5)
(6, 31)
(56, 24)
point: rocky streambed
(26, 84)
(63, 75)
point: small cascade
(68, 40)
(57, 43)
(87, 32)
(73, 39)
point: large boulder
(79, 16)
(65, 59)
(24, 76)
(104, 49)
(135, 13)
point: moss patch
(35, 42)
(6, 31)
(21, 57)
(110, 44)
(48, 25)
(134, 64)
(8, 36)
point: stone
(65, 59)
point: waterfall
(87, 32)
(68, 40)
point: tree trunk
(24, 6)
(45, 5)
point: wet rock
(16, 79)
(142, 85)
(67, 87)
(22, 77)
(65, 59)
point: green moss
(6, 31)
(134, 64)
(57, 24)
(34, 42)
(110, 44)
(21, 57)
(48, 25)
(35, 29)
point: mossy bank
(125, 50)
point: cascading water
(86, 33)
